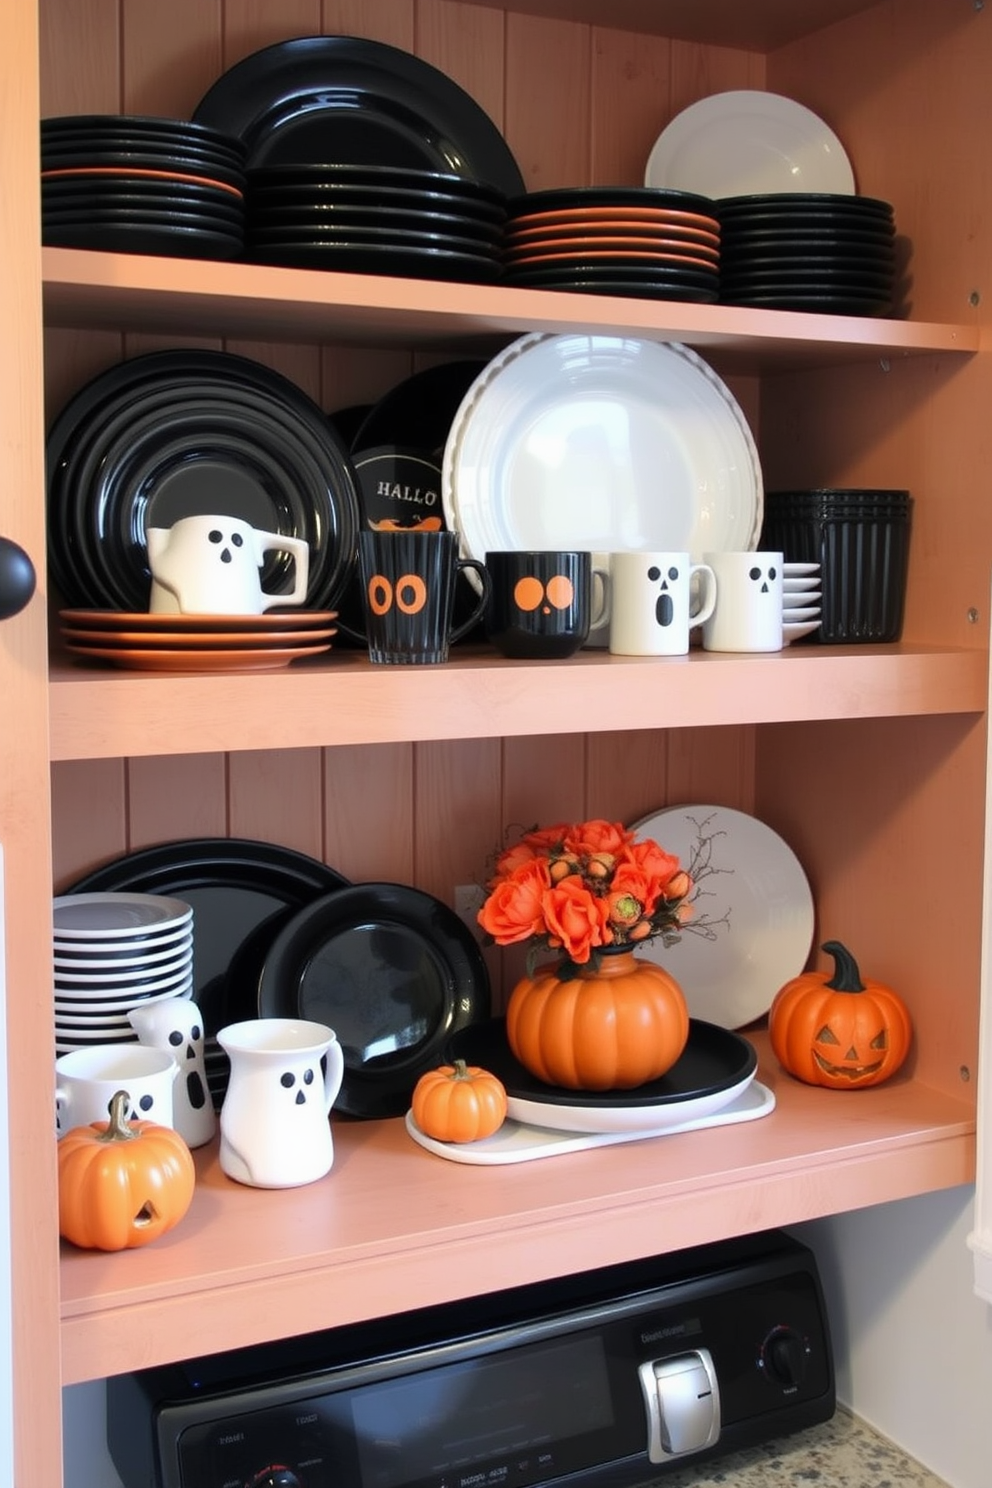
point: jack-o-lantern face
(408, 593)
(848, 1049)
(839, 1031)
(557, 594)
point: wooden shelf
(393, 1226)
(180, 296)
(105, 713)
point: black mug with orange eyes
(541, 607)
(408, 591)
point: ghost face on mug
(656, 599)
(175, 1025)
(748, 615)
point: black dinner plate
(419, 411)
(799, 201)
(713, 1060)
(341, 98)
(87, 165)
(405, 240)
(339, 179)
(319, 500)
(140, 193)
(814, 303)
(393, 971)
(810, 221)
(169, 241)
(374, 224)
(421, 263)
(614, 269)
(242, 892)
(170, 219)
(634, 289)
(140, 127)
(575, 198)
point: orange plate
(185, 641)
(615, 214)
(134, 170)
(584, 255)
(144, 621)
(673, 231)
(141, 659)
(644, 244)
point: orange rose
(629, 882)
(656, 864)
(598, 838)
(576, 919)
(513, 911)
(547, 839)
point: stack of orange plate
(615, 240)
(197, 643)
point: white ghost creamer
(175, 1025)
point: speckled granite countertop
(841, 1453)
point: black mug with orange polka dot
(408, 590)
(541, 606)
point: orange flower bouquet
(583, 889)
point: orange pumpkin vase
(610, 1028)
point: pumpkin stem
(461, 1070)
(846, 977)
(117, 1127)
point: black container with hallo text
(860, 539)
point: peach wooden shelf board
(171, 295)
(392, 1224)
(96, 713)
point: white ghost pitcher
(175, 1025)
(212, 565)
(275, 1130)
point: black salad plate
(345, 181)
(341, 98)
(713, 1060)
(419, 411)
(634, 289)
(138, 127)
(242, 891)
(393, 971)
(176, 432)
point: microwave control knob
(783, 1356)
(682, 1401)
(275, 1476)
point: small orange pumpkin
(459, 1103)
(122, 1185)
(838, 1030)
(612, 1028)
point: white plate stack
(801, 596)
(115, 952)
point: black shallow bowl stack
(828, 253)
(136, 184)
(635, 241)
(374, 219)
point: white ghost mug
(748, 614)
(175, 1025)
(275, 1130)
(212, 565)
(656, 599)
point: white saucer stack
(801, 595)
(115, 952)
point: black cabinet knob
(17, 578)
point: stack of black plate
(180, 433)
(614, 240)
(131, 184)
(376, 220)
(808, 251)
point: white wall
(912, 1341)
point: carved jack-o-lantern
(837, 1030)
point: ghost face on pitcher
(212, 565)
(274, 1127)
(748, 614)
(542, 602)
(656, 599)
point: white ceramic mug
(86, 1081)
(212, 565)
(274, 1126)
(748, 614)
(656, 600)
(175, 1025)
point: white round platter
(600, 443)
(761, 887)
